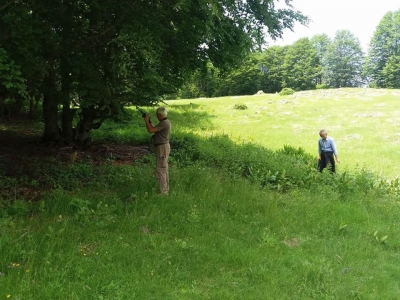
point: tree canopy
(343, 61)
(384, 51)
(104, 54)
(301, 68)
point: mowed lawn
(363, 123)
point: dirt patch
(23, 156)
(361, 93)
(352, 137)
(369, 115)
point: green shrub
(286, 91)
(373, 85)
(240, 106)
(322, 86)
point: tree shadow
(191, 116)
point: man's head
(161, 113)
(323, 134)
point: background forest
(317, 63)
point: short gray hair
(322, 131)
(162, 111)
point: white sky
(360, 17)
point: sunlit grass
(364, 123)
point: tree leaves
(301, 68)
(343, 61)
(111, 53)
(384, 47)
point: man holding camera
(160, 140)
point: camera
(142, 112)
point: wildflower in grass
(8, 296)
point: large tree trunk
(50, 107)
(18, 104)
(67, 118)
(86, 123)
(33, 104)
(65, 72)
(3, 109)
(67, 114)
(50, 110)
(91, 118)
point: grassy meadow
(248, 216)
(363, 122)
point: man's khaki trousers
(162, 155)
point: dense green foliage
(286, 91)
(320, 62)
(383, 56)
(92, 58)
(343, 61)
(301, 68)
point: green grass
(211, 239)
(220, 234)
(364, 123)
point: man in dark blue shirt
(326, 152)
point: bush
(373, 85)
(322, 86)
(286, 91)
(240, 106)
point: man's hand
(150, 127)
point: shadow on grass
(191, 116)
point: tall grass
(213, 238)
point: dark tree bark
(17, 105)
(33, 104)
(91, 118)
(67, 115)
(86, 123)
(3, 108)
(50, 107)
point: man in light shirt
(327, 152)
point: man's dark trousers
(327, 158)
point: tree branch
(113, 26)
(7, 5)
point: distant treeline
(315, 63)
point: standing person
(326, 152)
(160, 140)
